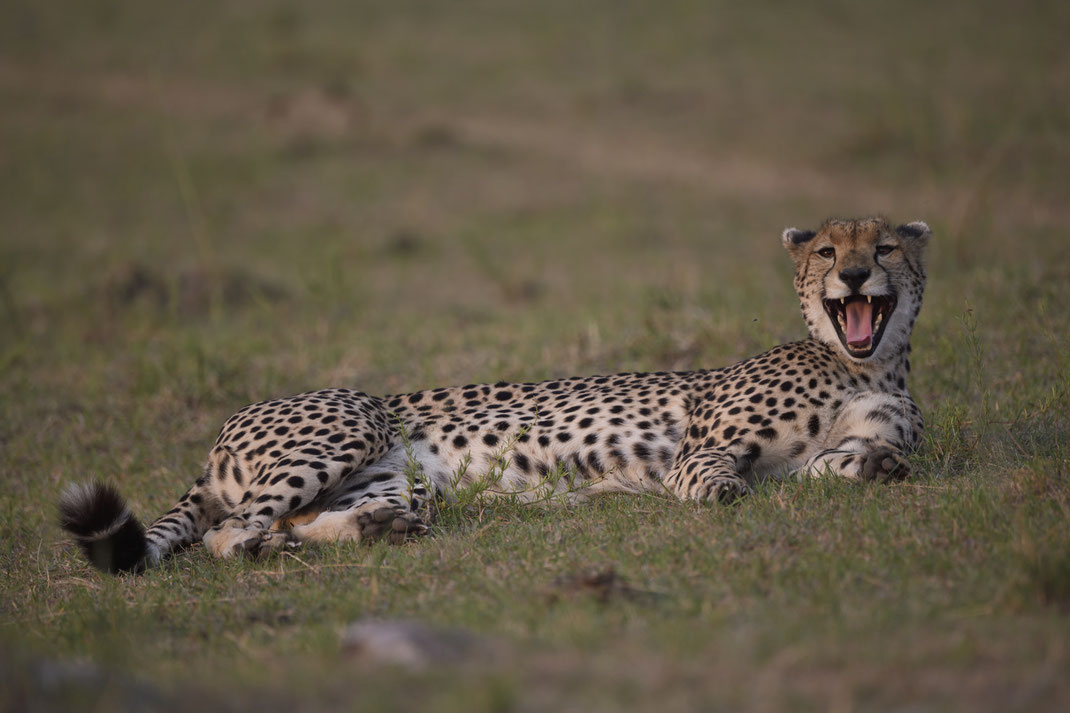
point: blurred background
(323, 175)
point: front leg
(858, 459)
(707, 475)
(869, 440)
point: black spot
(490, 439)
(460, 442)
(593, 463)
(814, 426)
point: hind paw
(396, 525)
(225, 542)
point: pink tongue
(859, 323)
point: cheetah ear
(793, 238)
(915, 231)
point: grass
(215, 203)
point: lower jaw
(862, 353)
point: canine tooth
(843, 300)
(869, 298)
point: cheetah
(337, 464)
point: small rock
(414, 645)
(601, 584)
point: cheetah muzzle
(340, 465)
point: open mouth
(860, 321)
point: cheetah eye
(883, 250)
(827, 252)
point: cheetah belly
(616, 462)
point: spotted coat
(340, 464)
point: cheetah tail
(111, 537)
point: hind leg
(379, 502)
(271, 459)
(285, 487)
(371, 520)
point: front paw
(723, 489)
(883, 465)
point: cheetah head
(860, 284)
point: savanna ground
(204, 204)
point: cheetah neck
(886, 374)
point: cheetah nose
(853, 277)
